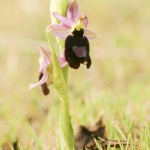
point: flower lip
(44, 87)
(77, 50)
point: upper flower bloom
(46, 60)
(66, 26)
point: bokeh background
(116, 86)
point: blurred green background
(117, 84)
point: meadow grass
(117, 86)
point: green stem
(59, 81)
(65, 125)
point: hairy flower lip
(77, 50)
(44, 87)
(45, 60)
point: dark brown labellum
(77, 50)
(44, 87)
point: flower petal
(45, 54)
(41, 64)
(43, 80)
(90, 34)
(62, 61)
(73, 10)
(64, 20)
(84, 20)
(59, 30)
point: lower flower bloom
(46, 60)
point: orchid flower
(72, 28)
(67, 24)
(46, 60)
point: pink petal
(62, 61)
(84, 19)
(90, 34)
(59, 30)
(43, 80)
(46, 54)
(73, 10)
(85, 22)
(41, 67)
(64, 20)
